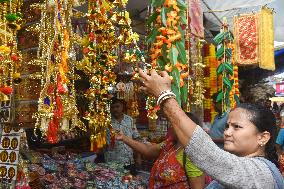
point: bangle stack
(164, 95)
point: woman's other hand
(154, 84)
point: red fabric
(196, 16)
(246, 36)
(167, 172)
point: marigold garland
(167, 42)
(210, 81)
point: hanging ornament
(104, 47)
(224, 43)
(168, 45)
(57, 103)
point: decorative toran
(10, 58)
(198, 73)
(210, 82)
(224, 42)
(57, 101)
(109, 31)
(167, 52)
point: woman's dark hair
(264, 120)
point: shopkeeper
(120, 152)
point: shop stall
(63, 62)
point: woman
(249, 140)
(172, 169)
(280, 148)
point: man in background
(120, 152)
(217, 128)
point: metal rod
(212, 12)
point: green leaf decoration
(161, 64)
(226, 35)
(184, 93)
(230, 38)
(152, 18)
(227, 99)
(11, 17)
(219, 96)
(157, 3)
(227, 82)
(3, 1)
(164, 52)
(218, 39)
(229, 68)
(163, 16)
(232, 82)
(182, 33)
(228, 53)
(220, 69)
(181, 51)
(181, 4)
(152, 36)
(176, 85)
(182, 18)
(220, 52)
(173, 55)
(176, 90)
(236, 98)
(176, 76)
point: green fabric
(191, 169)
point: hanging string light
(57, 102)
(103, 48)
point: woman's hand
(154, 84)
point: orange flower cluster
(167, 50)
(167, 35)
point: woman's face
(241, 137)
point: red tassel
(52, 131)
(58, 111)
(60, 88)
(50, 89)
(6, 90)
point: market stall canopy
(214, 11)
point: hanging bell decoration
(17, 78)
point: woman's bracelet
(165, 95)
